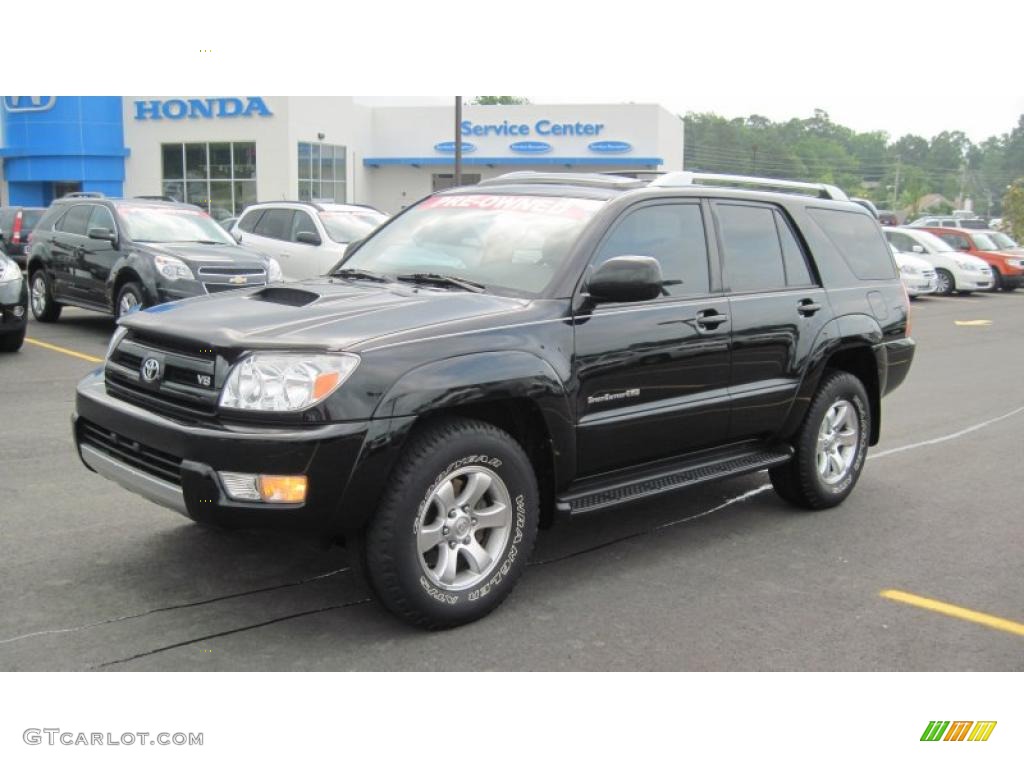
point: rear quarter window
(857, 238)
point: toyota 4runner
(499, 356)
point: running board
(599, 493)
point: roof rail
(316, 206)
(689, 178)
(603, 180)
(76, 195)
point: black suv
(501, 355)
(16, 224)
(117, 256)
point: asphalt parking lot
(726, 577)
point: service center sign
(207, 109)
(537, 137)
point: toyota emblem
(150, 369)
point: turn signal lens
(284, 489)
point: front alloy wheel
(944, 284)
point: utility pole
(896, 186)
(754, 161)
(963, 183)
(458, 141)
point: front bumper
(13, 306)
(175, 464)
(973, 281)
(917, 285)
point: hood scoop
(292, 297)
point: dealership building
(226, 152)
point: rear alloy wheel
(944, 284)
(455, 526)
(831, 446)
(44, 308)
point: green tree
(493, 100)
(1013, 208)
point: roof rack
(77, 195)
(602, 180)
(689, 178)
(315, 206)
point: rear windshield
(29, 219)
(859, 240)
(513, 243)
(346, 226)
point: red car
(1007, 266)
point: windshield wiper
(436, 279)
(364, 274)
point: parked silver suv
(307, 239)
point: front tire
(44, 308)
(129, 299)
(944, 283)
(831, 446)
(456, 524)
(997, 281)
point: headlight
(173, 268)
(273, 271)
(267, 381)
(908, 269)
(119, 333)
(9, 271)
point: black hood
(323, 314)
(200, 255)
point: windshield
(1003, 241)
(346, 226)
(984, 243)
(510, 242)
(932, 243)
(153, 224)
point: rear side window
(275, 224)
(76, 220)
(753, 254)
(857, 238)
(673, 234)
(248, 222)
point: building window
(321, 172)
(218, 176)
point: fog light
(19, 311)
(279, 489)
(288, 489)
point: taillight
(16, 234)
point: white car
(918, 275)
(954, 270)
(307, 239)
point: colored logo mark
(29, 103)
(609, 146)
(449, 146)
(530, 147)
(958, 730)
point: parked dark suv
(16, 224)
(116, 256)
(497, 356)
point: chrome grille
(217, 279)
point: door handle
(709, 319)
(808, 307)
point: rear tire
(11, 342)
(831, 446)
(44, 308)
(455, 526)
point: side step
(619, 488)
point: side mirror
(102, 233)
(626, 278)
(237, 234)
(917, 249)
(309, 238)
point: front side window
(673, 234)
(218, 176)
(753, 254)
(322, 172)
(160, 224)
(900, 242)
(302, 222)
(958, 242)
(101, 218)
(509, 243)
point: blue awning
(449, 160)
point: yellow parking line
(985, 619)
(55, 348)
